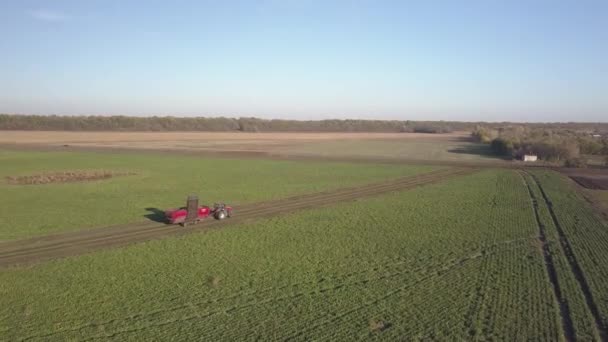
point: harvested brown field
(223, 141)
(62, 137)
(456, 146)
(593, 182)
(65, 177)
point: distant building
(530, 158)
(596, 135)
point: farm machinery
(193, 213)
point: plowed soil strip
(566, 319)
(74, 243)
(579, 275)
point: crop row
(583, 237)
(458, 260)
(577, 322)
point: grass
(431, 149)
(160, 181)
(459, 260)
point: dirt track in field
(564, 309)
(570, 257)
(50, 247)
(577, 271)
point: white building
(530, 158)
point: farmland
(455, 147)
(493, 254)
(304, 171)
(157, 182)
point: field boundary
(81, 242)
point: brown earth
(590, 195)
(593, 182)
(589, 183)
(278, 146)
(65, 177)
(61, 137)
(74, 243)
(231, 143)
(275, 145)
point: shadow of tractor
(156, 215)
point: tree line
(251, 124)
(169, 123)
(561, 145)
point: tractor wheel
(220, 215)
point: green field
(458, 260)
(581, 240)
(416, 149)
(161, 182)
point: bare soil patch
(378, 325)
(65, 177)
(411, 148)
(214, 281)
(592, 182)
(62, 137)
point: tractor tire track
(564, 309)
(37, 242)
(246, 212)
(159, 230)
(76, 243)
(578, 273)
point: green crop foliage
(434, 148)
(587, 235)
(161, 182)
(573, 299)
(458, 260)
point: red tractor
(193, 213)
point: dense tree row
(483, 131)
(127, 123)
(114, 123)
(551, 144)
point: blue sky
(530, 60)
